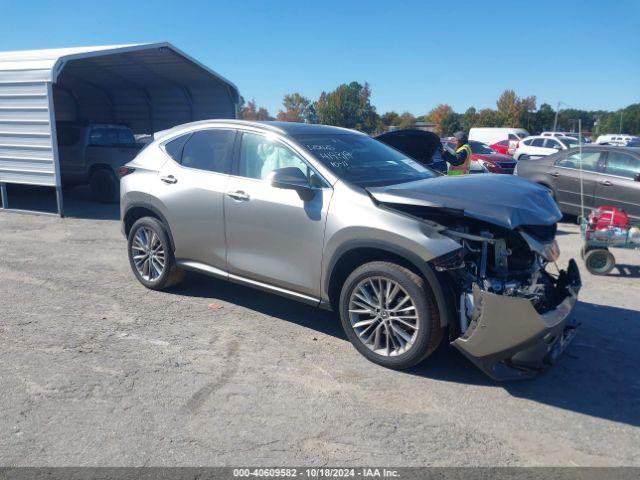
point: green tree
(348, 106)
(488, 117)
(406, 120)
(543, 119)
(296, 108)
(468, 119)
(389, 119)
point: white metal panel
(26, 153)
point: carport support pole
(59, 201)
(3, 195)
(54, 147)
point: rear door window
(622, 165)
(209, 150)
(537, 142)
(125, 136)
(103, 137)
(590, 161)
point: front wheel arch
(353, 257)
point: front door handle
(554, 174)
(239, 195)
(606, 183)
(170, 179)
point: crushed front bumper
(508, 339)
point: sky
(414, 54)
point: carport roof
(50, 62)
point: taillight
(517, 145)
(124, 171)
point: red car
(491, 161)
(501, 147)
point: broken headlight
(549, 251)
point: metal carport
(149, 87)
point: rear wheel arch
(139, 210)
(347, 259)
(100, 166)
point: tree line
(349, 106)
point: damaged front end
(513, 315)
(512, 311)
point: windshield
(479, 147)
(362, 160)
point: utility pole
(620, 131)
(555, 121)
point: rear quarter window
(174, 147)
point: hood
(492, 157)
(502, 200)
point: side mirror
(637, 177)
(292, 178)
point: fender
(435, 280)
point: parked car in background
(494, 162)
(93, 154)
(566, 134)
(618, 140)
(333, 218)
(494, 135)
(425, 147)
(633, 143)
(533, 147)
(501, 147)
(610, 176)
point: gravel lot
(97, 370)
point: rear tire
(523, 157)
(404, 316)
(104, 185)
(151, 256)
(599, 261)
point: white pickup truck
(93, 154)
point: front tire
(390, 315)
(151, 256)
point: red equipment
(606, 218)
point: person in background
(459, 159)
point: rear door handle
(239, 195)
(170, 179)
(606, 183)
(554, 174)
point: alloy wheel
(148, 254)
(383, 316)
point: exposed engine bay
(511, 300)
(496, 260)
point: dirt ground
(97, 370)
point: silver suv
(334, 218)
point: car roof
(283, 128)
(608, 148)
